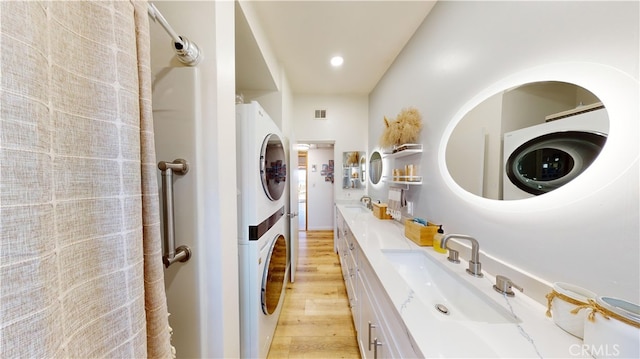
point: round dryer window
(273, 167)
(550, 161)
(274, 275)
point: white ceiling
(304, 35)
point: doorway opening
(302, 190)
(315, 185)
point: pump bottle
(437, 238)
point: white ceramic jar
(616, 337)
(564, 299)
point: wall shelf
(399, 152)
(408, 180)
(404, 150)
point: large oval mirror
(375, 167)
(527, 140)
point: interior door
(293, 209)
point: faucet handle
(503, 285)
(453, 256)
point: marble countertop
(533, 335)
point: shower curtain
(80, 265)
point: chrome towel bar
(171, 254)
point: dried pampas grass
(353, 158)
(405, 129)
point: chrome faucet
(475, 267)
(369, 205)
(503, 286)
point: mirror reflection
(352, 170)
(527, 140)
(375, 167)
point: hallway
(316, 321)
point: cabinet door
(340, 244)
(372, 333)
(343, 254)
(339, 229)
(350, 283)
(365, 323)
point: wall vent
(320, 115)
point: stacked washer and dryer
(262, 243)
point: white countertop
(535, 335)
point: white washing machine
(541, 158)
(263, 273)
(262, 243)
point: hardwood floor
(316, 320)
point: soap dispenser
(437, 238)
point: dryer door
(273, 278)
(550, 161)
(273, 167)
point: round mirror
(375, 167)
(527, 140)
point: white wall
(346, 125)
(578, 234)
(214, 296)
(319, 191)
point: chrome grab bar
(171, 254)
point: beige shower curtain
(80, 265)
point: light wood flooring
(316, 320)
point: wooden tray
(421, 235)
(380, 210)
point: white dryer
(541, 158)
(262, 165)
(262, 242)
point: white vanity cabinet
(381, 331)
(394, 321)
(347, 249)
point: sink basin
(442, 290)
(356, 208)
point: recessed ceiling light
(337, 61)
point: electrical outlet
(410, 208)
